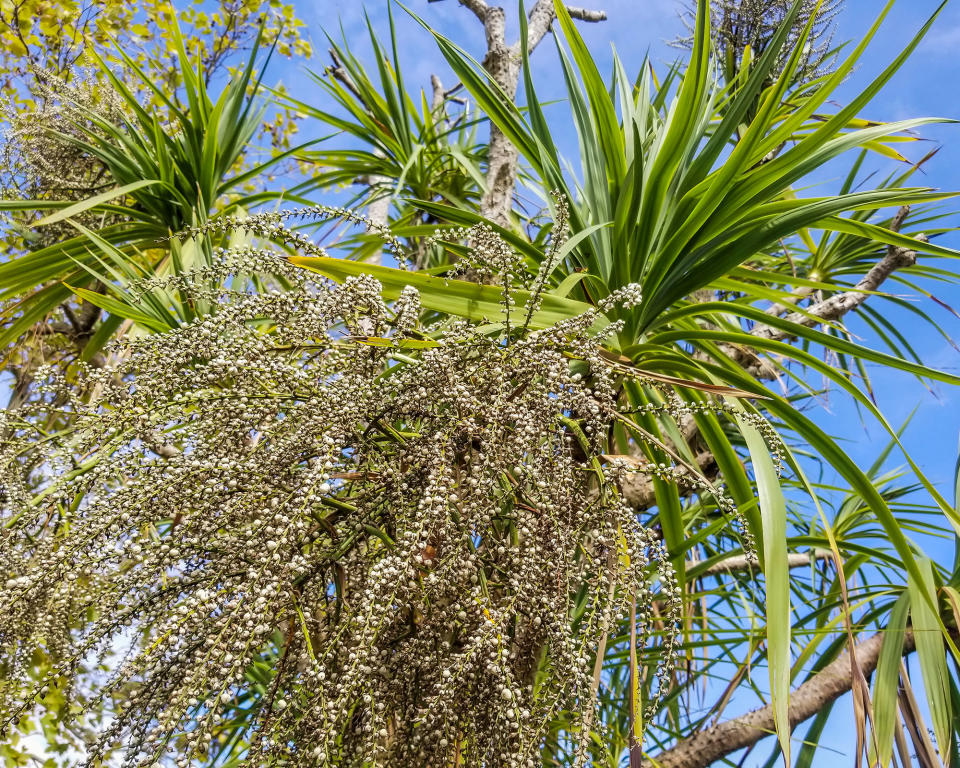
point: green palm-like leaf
(171, 172)
(699, 182)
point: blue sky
(927, 85)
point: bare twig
(585, 14)
(438, 93)
(739, 563)
(337, 71)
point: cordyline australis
(382, 543)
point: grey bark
(716, 742)
(831, 309)
(502, 62)
(738, 563)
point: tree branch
(337, 71)
(502, 62)
(833, 308)
(738, 563)
(586, 14)
(543, 13)
(711, 744)
(540, 18)
(438, 93)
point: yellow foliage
(59, 35)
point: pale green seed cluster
(391, 546)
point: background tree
(63, 38)
(743, 29)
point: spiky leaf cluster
(386, 548)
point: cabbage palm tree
(689, 190)
(392, 145)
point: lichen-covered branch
(740, 563)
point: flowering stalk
(403, 550)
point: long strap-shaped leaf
(776, 573)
